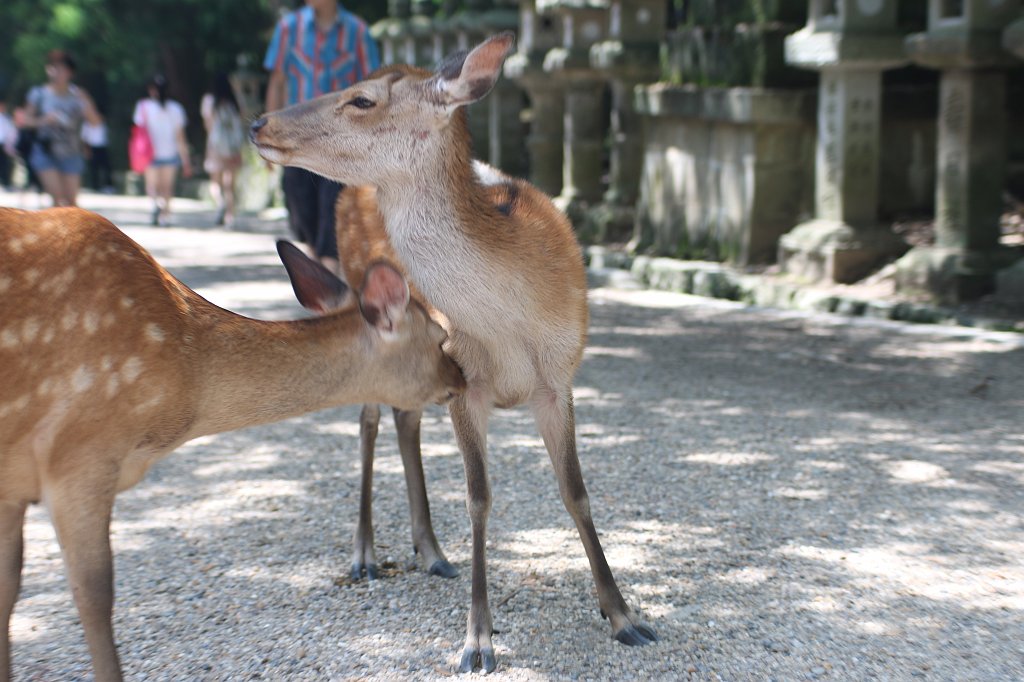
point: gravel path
(783, 496)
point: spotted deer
(362, 240)
(108, 363)
(491, 253)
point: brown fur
(492, 253)
(107, 363)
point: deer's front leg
(556, 422)
(80, 507)
(12, 518)
(424, 542)
(469, 414)
(364, 558)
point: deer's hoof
(636, 635)
(485, 656)
(358, 569)
(444, 569)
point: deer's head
(387, 126)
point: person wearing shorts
(56, 111)
(164, 119)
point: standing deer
(491, 253)
(362, 241)
(108, 363)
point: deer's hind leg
(424, 542)
(556, 421)
(12, 519)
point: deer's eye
(361, 102)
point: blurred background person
(94, 136)
(164, 119)
(8, 150)
(225, 137)
(316, 49)
(57, 110)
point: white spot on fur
(45, 386)
(126, 302)
(31, 276)
(48, 334)
(113, 383)
(149, 403)
(488, 175)
(8, 339)
(90, 322)
(106, 363)
(29, 329)
(69, 320)
(131, 369)
(82, 379)
(108, 320)
(155, 333)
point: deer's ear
(465, 77)
(317, 288)
(385, 296)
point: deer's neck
(254, 372)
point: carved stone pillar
(584, 22)
(629, 57)
(964, 40)
(849, 43)
(539, 32)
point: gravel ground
(783, 496)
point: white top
(162, 122)
(94, 135)
(8, 132)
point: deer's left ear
(464, 77)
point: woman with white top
(164, 120)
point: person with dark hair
(316, 49)
(225, 137)
(164, 119)
(56, 112)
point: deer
(108, 363)
(362, 240)
(492, 253)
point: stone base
(951, 275)
(606, 223)
(829, 250)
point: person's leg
(50, 181)
(165, 188)
(151, 174)
(326, 244)
(301, 200)
(217, 193)
(105, 176)
(5, 169)
(227, 179)
(70, 183)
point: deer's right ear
(464, 78)
(317, 288)
(385, 296)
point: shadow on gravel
(781, 497)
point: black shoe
(154, 217)
(220, 216)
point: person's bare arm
(275, 90)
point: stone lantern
(584, 23)
(964, 41)
(850, 43)
(630, 56)
(540, 32)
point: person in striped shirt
(317, 49)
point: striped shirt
(316, 62)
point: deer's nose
(256, 126)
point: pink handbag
(140, 147)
